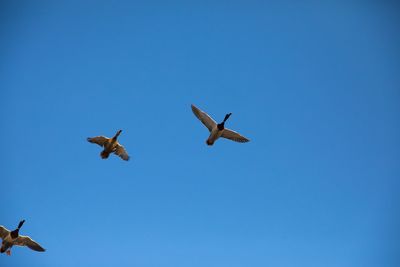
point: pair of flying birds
(111, 145)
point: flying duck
(12, 238)
(110, 145)
(217, 130)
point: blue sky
(314, 86)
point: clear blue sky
(315, 88)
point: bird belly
(214, 135)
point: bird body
(12, 238)
(214, 135)
(110, 145)
(217, 130)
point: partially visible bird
(217, 130)
(12, 238)
(110, 145)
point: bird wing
(100, 140)
(3, 232)
(27, 241)
(204, 118)
(121, 152)
(234, 136)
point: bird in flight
(217, 130)
(12, 238)
(110, 145)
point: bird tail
(104, 154)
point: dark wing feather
(121, 152)
(27, 241)
(3, 232)
(204, 118)
(234, 136)
(100, 140)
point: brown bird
(110, 145)
(12, 238)
(217, 130)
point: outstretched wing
(100, 140)
(3, 232)
(121, 152)
(204, 118)
(234, 136)
(27, 241)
